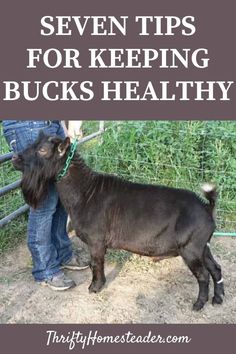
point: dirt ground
(137, 291)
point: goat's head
(40, 163)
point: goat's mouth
(17, 162)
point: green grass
(180, 154)
(12, 234)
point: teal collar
(70, 156)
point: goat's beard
(34, 188)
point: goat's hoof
(95, 287)
(198, 305)
(217, 300)
(221, 289)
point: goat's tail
(210, 192)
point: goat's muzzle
(17, 162)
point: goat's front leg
(97, 267)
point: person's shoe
(59, 282)
(75, 263)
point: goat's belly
(146, 244)
(150, 251)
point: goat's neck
(74, 188)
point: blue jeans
(48, 240)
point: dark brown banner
(106, 339)
(118, 60)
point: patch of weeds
(12, 234)
(118, 256)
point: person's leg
(44, 253)
(41, 242)
(60, 237)
(67, 258)
(59, 234)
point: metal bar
(101, 125)
(5, 157)
(9, 187)
(90, 136)
(13, 215)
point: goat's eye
(42, 151)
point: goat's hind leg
(197, 267)
(97, 267)
(215, 271)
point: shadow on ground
(137, 291)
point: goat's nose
(15, 156)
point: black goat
(108, 212)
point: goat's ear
(62, 147)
